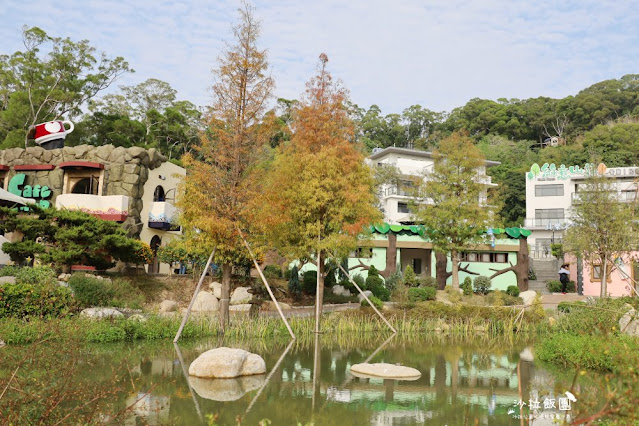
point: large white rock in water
(368, 294)
(224, 363)
(386, 371)
(168, 306)
(241, 296)
(100, 313)
(629, 323)
(528, 297)
(226, 389)
(216, 288)
(205, 302)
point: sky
(438, 54)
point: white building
(411, 163)
(551, 192)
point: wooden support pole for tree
(188, 380)
(268, 378)
(268, 287)
(197, 290)
(317, 293)
(368, 300)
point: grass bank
(420, 318)
(587, 339)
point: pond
(484, 381)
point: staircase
(546, 270)
(538, 286)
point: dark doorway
(154, 267)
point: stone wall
(125, 171)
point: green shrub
(34, 300)
(9, 271)
(272, 271)
(309, 282)
(374, 300)
(375, 283)
(37, 275)
(287, 274)
(90, 291)
(453, 295)
(294, 286)
(428, 281)
(601, 318)
(512, 290)
(394, 280)
(495, 298)
(330, 280)
(125, 295)
(481, 284)
(360, 281)
(583, 352)
(410, 279)
(554, 286)
(421, 294)
(467, 286)
(531, 274)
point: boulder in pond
(385, 371)
(205, 302)
(100, 313)
(224, 363)
(226, 389)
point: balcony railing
(623, 196)
(393, 190)
(554, 223)
(107, 207)
(162, 215)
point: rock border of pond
(382, 370)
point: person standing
(564, 274)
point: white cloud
(394, 54)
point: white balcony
(162, 215)
(107, 207)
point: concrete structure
(412, 164)
(551, 192)
(132, 186)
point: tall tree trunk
(523, 265)
(604, 276)
(319, 293)
(225, 295)
(454, 257)
(441, 262)
(391, 256)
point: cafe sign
(552, 172)
(40, 194)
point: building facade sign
(39, 193)
(552, 172)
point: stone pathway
(552, 300)
(309, 311)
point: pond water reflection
(480, 383)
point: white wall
(173, 176)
